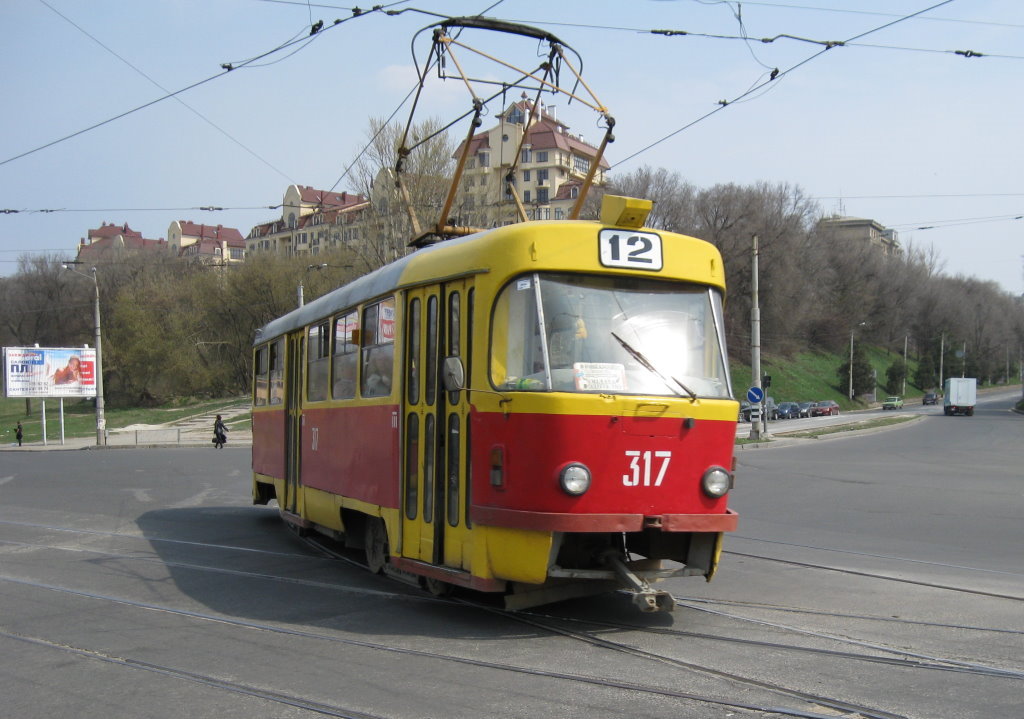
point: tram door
(294, 361)
(435, 470)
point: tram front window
(613, 335)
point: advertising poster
(49, 372)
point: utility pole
(101, 420)
(904, 392)
(942, 356)
(963, 371)
(851, 366)
(756, 428)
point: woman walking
(220, 432)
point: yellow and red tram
(542, 409)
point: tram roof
(373, 284)
(477, 255)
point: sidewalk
(195, 431)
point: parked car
(770, 409)
(805, 408)
(892, 403)
(789, 410)
(825, 407)
(744, 411)
(930, 398)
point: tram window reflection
(608, 334)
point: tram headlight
(575, 479)
(716, 482)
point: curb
(781, 440)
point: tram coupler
(644, 597)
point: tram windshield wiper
(646, 364)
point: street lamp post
(851, 365)
(861, 324)
(101, 420)
(903, 393)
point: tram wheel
(376, 541)
(437, 587)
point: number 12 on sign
(635, 250)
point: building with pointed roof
(311, 222)
(210, 244)
(111, 239)
(549, 170)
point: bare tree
(426, 174)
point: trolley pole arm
(442, 222)
(608, 137)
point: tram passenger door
(294, 360)
(435, 426)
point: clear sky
(895, 125)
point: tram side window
(346, 355)
(277, 372)
(261, 372)
(378, 343)
(318, 355)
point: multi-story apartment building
(111, 239)
(311, 221)
(548, 177)
(552, 165)
(209, 244)
(858, 229)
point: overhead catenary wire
(774, 76)
(227, 67)
(761, 86)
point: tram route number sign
(631, 250)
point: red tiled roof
(107, 244)
(112, 230)
(207, 247)
(566, 188)
(328, 200)
(214, 232)
(545, 133)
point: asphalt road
(876, 575)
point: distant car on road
(825, 408)
(771, 410)
(930, 398)
(805, 408)
(789, 410)
(892, 403)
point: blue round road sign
(755, 394)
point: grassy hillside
(80, 416)
(812, 376)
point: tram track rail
(876, 575)
(208, 680)
(914, 660)
(329, 710)
(541, 622)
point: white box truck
(960, 395)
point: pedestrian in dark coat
(19, 433)
(220, 433)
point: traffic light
(766, 381)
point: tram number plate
(634, 250)
(646, 468)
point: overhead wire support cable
(228, 67)
(775, 76)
